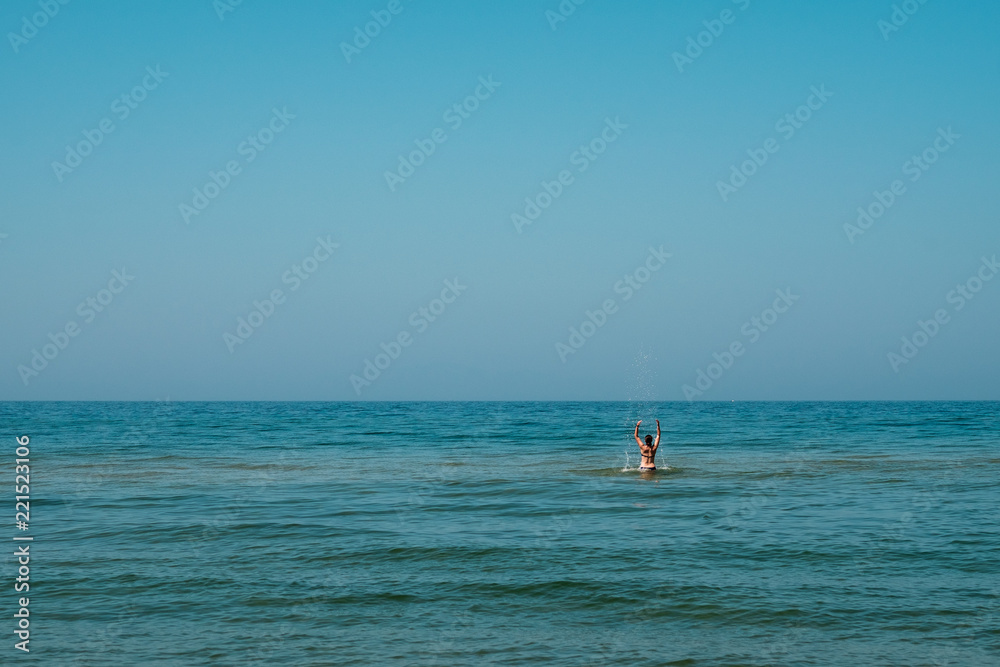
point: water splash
(640, 392)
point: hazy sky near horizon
(694, 166)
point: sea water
(507, 534)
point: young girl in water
(648, 450)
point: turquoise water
(510, 534)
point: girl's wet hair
(649, 438)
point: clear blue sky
(677, 126)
